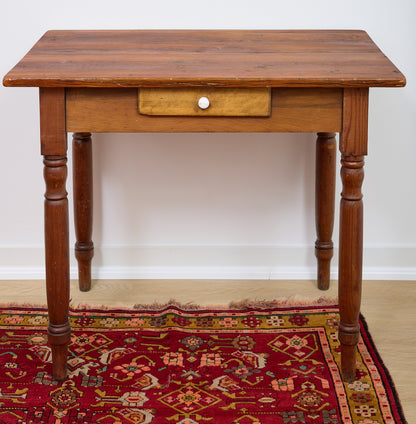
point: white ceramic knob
(203, 103)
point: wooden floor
(388, 306)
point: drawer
(199, 101)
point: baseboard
(210, 262)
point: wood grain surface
(52, 121)
(319, 58)
(354, 134)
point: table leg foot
(82, 178)
(349, 357)
(59, 339)
(324, 205)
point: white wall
(206, 205)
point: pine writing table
(204, 81)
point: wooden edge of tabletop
(9, 81)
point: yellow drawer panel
(199, 101)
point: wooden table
(204, 81)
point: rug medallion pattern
(181, 367)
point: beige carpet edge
(244, 304)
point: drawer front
(205, 101)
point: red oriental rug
(255, 366)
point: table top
(233, 58)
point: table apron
(116, 110)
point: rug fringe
(22, 305)
(241, 305)
(288, 302)
(244, 304)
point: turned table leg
(324, 205)
(353, 147)
(82, 178)
(350, 261)
(53, 149)
(57, 260)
